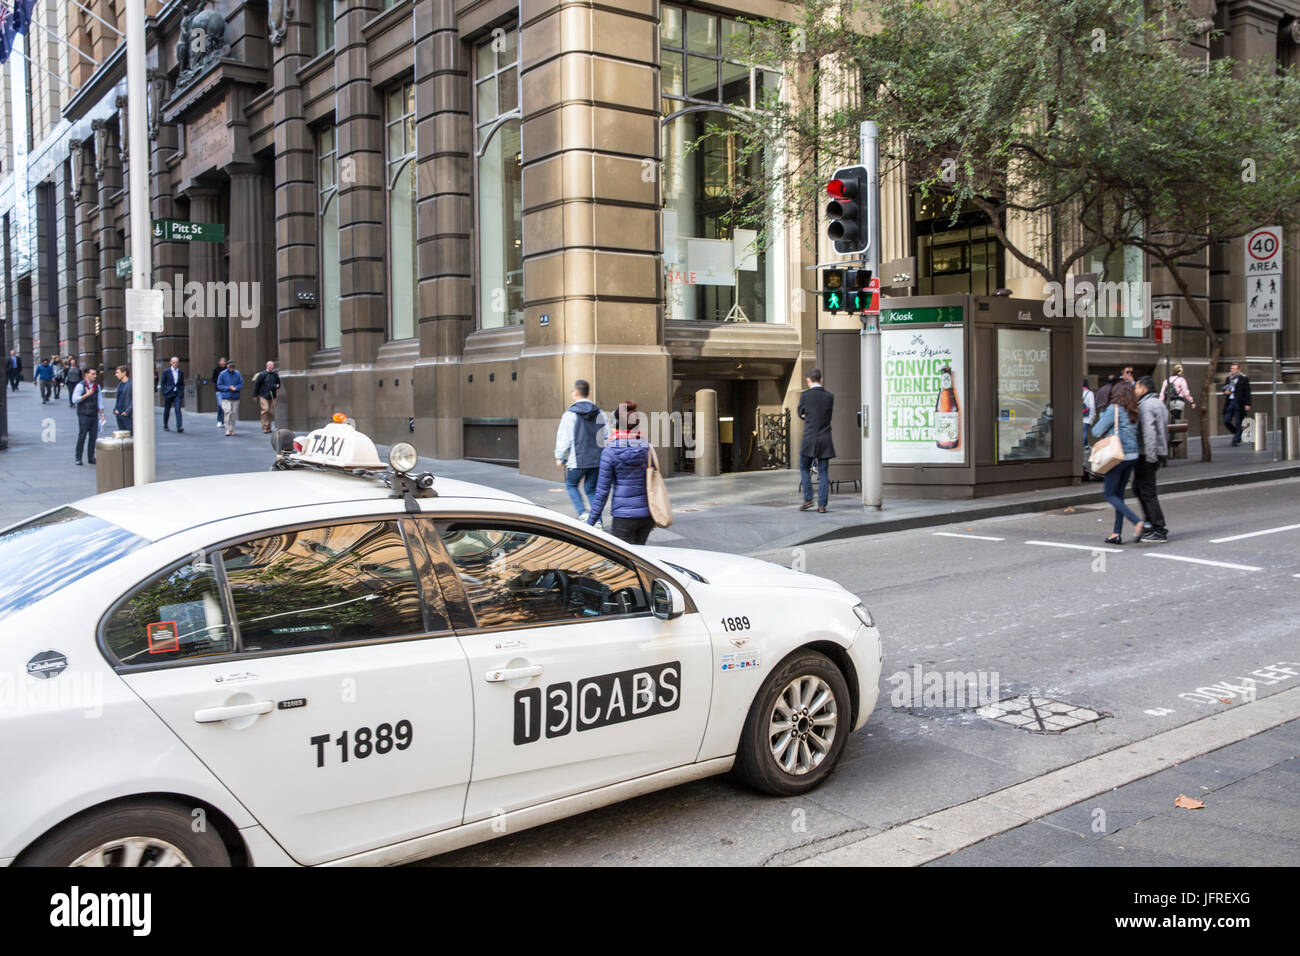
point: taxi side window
(176, 616)
(516, 576)
(326, 585)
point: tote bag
(1108, 452)
(656, 492)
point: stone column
(592, 237)
(445, 218)
(171, 260)
(296, 205)
(708, 454)
(112, 314)
(85, 196)
(45, 303)
(363, 286)
(251, 338)
(207, 332)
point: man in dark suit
(1236, 401)
(122, 410)
(14, 369)
(815, 407)
(172, 387)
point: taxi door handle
(211, 715)
(512, 673)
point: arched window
(400, 123)
(328, 247)
(499, 182)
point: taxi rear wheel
(144, 834)
(796, 729)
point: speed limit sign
(1263, 276)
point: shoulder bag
(656, 492)
(1107, 452)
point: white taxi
(339, 662)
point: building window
(400, 126)
(499, 181)
(1120, 305)
(713, 268)
(324, 25)
(328, 203)
(961, 256)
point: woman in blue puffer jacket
(622, 471)
(1122, 414)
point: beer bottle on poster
(947, 416)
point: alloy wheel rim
(803, 724)
(134, 851)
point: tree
(1086, 120)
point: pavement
(740, 513)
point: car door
(576, 685)
(312, 669)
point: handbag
(656, 492)
(1108, 452)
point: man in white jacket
(578, 441)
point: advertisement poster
(1024, 394)
(923, 392)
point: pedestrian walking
(266, 385)
(59, 373)
(1121, 417)
(89, 401)
(1127, 374)
(44, 378)
(1236, 405)
(172, 386)
(122, 410)
(229, 383)
(1153, 454)
(1089, 411)
(72, 377)
(14, 369)
(216, 379)
(1103, 395)
(1176, 394)
(815, 407)
(578, 446)
(623, 463)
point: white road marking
(1074, 547)
(973, 537)
(1255, 534)
(1213, 564)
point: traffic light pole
(141, 265)
(870, 335)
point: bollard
(1292, 437)
(707, 452)
(115, 462)
(1261, 431)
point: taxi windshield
(41, 556)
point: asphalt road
(1153, 636)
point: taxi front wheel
(143, 834)
(796, 729)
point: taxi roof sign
(339, 445)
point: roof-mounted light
(402, 457)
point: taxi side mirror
(666, 602)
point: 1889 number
(363, 741)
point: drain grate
(1041, 715)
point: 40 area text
(363, 741)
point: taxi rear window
(41, 556)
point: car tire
(145, 833)
(802, 764)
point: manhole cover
(1041, 715)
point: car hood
(730, 570)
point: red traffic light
(842, 188)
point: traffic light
(833, 290)
(856, 282)
(848, 209)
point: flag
(22, 14)
(14, 21)
(6, 33)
